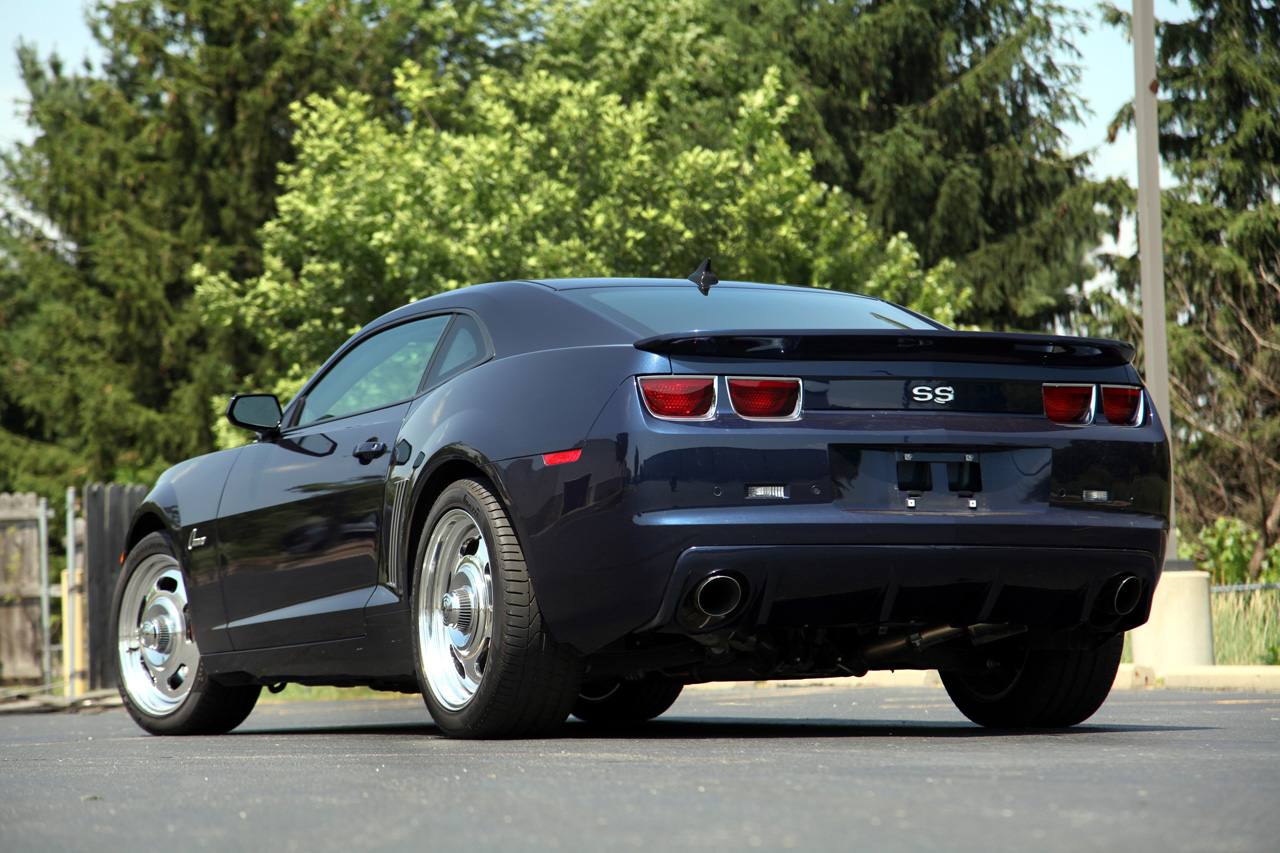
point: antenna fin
(704, 277)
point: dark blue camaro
(532, 499)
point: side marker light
(561, 457)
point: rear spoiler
(895, 345)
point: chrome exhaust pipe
(1119, 596)
(712, 600)
(717, 595)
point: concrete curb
(36, 703)
(1129, 677)
(1257, 678)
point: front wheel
(160, 674)
(1037, 688)
(487, 665)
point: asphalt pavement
(728, 768)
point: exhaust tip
(1119, 596)
(1127, 594)
(712, 601)
(717, 595)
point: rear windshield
(661, 310)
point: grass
(308, 693)
(1246, 627)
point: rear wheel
(486, 663)
(1037, 688)
(620, 702)
(160, 674)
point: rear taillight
(1122, 404)
(771, 399)
(679, 397)
(1069, 404)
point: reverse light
(686, 398)
(1122, 404)
(765, 399)
(1069, 404)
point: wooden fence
(21, 644)
(107, 508)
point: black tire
(1038, 688)
(486, 663)
(623, 702)
(159, 672)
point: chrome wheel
(455, 609)
(158, 654)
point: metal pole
(1180, 630)
(1150, 239)
(68, 610)
(46, 654)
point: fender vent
(397, 545)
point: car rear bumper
(1046, 589)
(612, 569)
(614, 540)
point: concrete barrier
(1179, 633)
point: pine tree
(942, 117)
(548, 177)
(1220, 138)
(166, 157)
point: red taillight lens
(1068, 404)
(765, 398)
(682, 397)
(1122, 404)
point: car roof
(523, 315)
(579, 283)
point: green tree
(547, 177)
(1220, 137)
(941, 117)
(167, 157)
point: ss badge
(933, 394)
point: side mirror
(258, 412)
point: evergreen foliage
(1220, 137)
(166, 157)
(542, 177)
(941, 117)
(908, 148)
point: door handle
(369, 450)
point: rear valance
(894, 345)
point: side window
(381, 370)
(463, 347)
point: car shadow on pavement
(740, 729)
(824, 728)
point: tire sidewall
(177, 721)
(1052, 689)
(469, 718)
